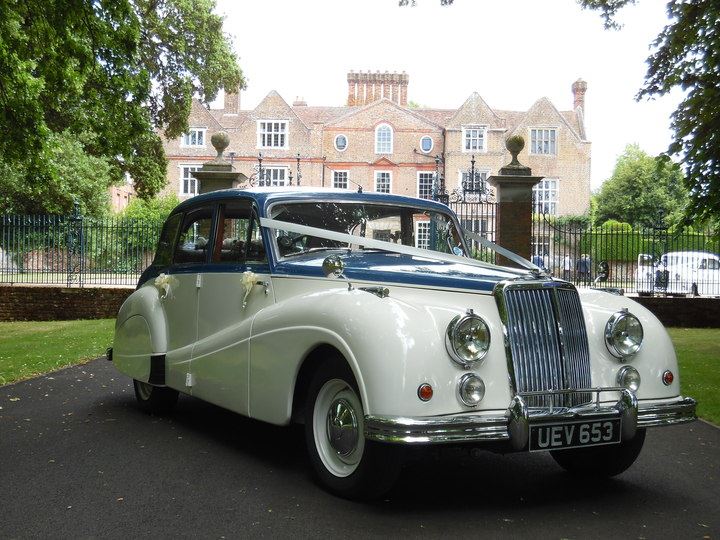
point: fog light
(668, 377)
(471, 389)
(628, 377)
(425, 392)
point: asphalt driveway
(79, 459)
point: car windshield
(405, 225)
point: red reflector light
(668, 377)
(425, 392)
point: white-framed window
(422, 234)
(474, 138)
(273, 177)
(188, 183)
(383, 181)
(341, 143)
(195, 137)
(426, 144)
(543, 141)
(425, 184)
(340, 179)
(545, 195)
(383, 139)
(272, 134)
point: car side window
(239, 239)
(163, 255)
(194, 240)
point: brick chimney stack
(232, 102)
(364, 88)
(579, 88)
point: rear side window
(194, 240)
(163, 255)
(238, 239)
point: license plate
(574, 434)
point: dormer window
(474, 138)
(383, 139)
(272, 134)
(195, 137)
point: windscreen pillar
(514, 209)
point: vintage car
(359, 315)
(681, 273)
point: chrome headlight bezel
(465, 380)
(612, 336)
(625, 377)
(451, 336)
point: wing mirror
(333, 266)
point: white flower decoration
(165, 284)
(249, 280)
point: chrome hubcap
(342, 427)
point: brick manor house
(380, 143)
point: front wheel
(601, 461)
(346, 463)
(155, 399)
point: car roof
(264, 197)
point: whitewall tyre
(344, 462)
(155, 399)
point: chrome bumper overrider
(513, 425)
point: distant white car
(679, 272)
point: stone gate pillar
(514, 210)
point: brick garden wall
(59, 304)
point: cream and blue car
(360, 316)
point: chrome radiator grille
(547, 342)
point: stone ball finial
(515, 144)
(220, 140)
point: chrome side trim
(437, 429)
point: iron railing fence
(480, 218)
(75, 251)
(646, 261)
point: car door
(180, 302)
(220, 363)
(708, 276)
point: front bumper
(513, 425)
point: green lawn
(698, 351)
(32, 348)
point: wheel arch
(309, 366)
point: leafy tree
(641, 189)
(686, 55)
(69, 175)
(123, 70)
(155, 209)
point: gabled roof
(545, 105)
(474, 110)
(211, 120)
(384, 102)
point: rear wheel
(345, 463)
(155, 399)
(601, 461)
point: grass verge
(698, 352)
(32, 348)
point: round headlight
(623, 334)
(628, 377)
(467, 338)
(471, 389)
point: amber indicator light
(425, 392)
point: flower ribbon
(164, 285)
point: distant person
(567, 268)
(583, 268)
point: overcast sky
(512, 52)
